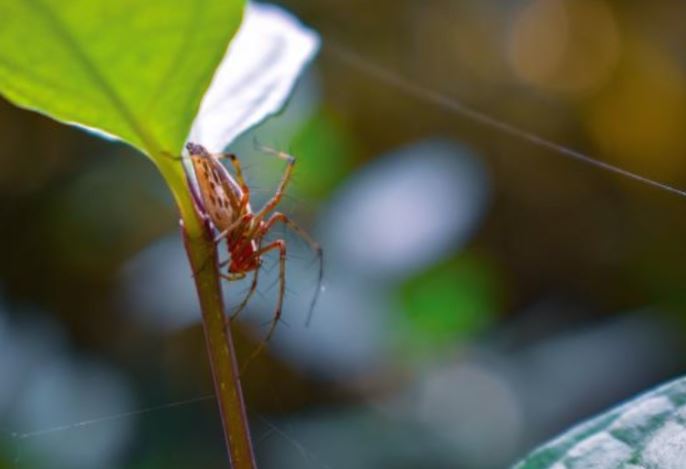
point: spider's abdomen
(219, 192)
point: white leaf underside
(255, 77)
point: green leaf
(132, 68)
(647, 432)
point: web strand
(389, 77)
(109, 418)
(272, 428)
(304, 452)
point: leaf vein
(98, 78)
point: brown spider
(226, 202)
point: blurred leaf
(324, 154)
(450, 302)
(647, 432)
(136, 70)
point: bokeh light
(566, 46)
(481, 293)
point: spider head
(195, 149)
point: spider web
(16, 439)
(455, 106)
(393, 79)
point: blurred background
(481, 294)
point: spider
(226, 201)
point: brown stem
(227, 386)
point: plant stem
(202, 255)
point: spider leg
(285, 178)
(314, 245)
(216, 241)
(225, 232)
(232, 277)
(166, 154)
(253, 287)
(281, 246)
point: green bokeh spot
(450, 302)
(324, 151)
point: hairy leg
(314, 245)
(285, 178)
(251, 291)
(279, 245)
(253, 285)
